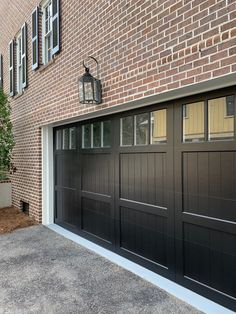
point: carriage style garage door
(158, 186)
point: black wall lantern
(90, 88)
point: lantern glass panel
(96, 91)
(81, 91)
(88, 91)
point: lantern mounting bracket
(87, 68)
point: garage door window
(58, 139)
(141, 129)
(96, 135)
(65, 139)
(127, 131)
(106, 134)
(86, 136)
(221, 118)
(158, 127)
(193, 122)
(72, 138)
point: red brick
(203, 77)
(187, 81)
(142, 47)
(229, 25)
(228, 61)
(221, 71)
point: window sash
(48, 18)
(19, 63)
(47, 32)
(35, 46)
(48, 47)
(24, 54)
(11, 68)
(55, 26)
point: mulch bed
(12, 218)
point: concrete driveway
(42, 272)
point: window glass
(55, 33)
(23, 70)
(106, 133)
(48, 48)
(48, 32)
(54, 8)
(193, 122)
(19, 64)
(141, 129)
(23, 41)
(220, 124)
(65, 139)
(11, 54)
(11, 82)
(87, 136)
(58, 139)
(127, 131)
(230, 106)
(97, 134)
(185, 113)
(72, 141)
(158, 127)
(34, 47)
(34, 26)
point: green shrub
(6, 137)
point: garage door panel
(143, 178)
(58, 203)
(209, 257)
(144, 234)
(96, 218)
(65, 167)
(67, 209)
(147, 208)
(209, 184)
(96, 173)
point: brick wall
(143, 48)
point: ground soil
(12, 218)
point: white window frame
(49, 34)
(19, 69)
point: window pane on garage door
(158, 127)
(193, 122)
(220, 123)
(127, 131)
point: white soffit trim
(192, 298)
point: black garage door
(158, 186)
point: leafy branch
(6, 135)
